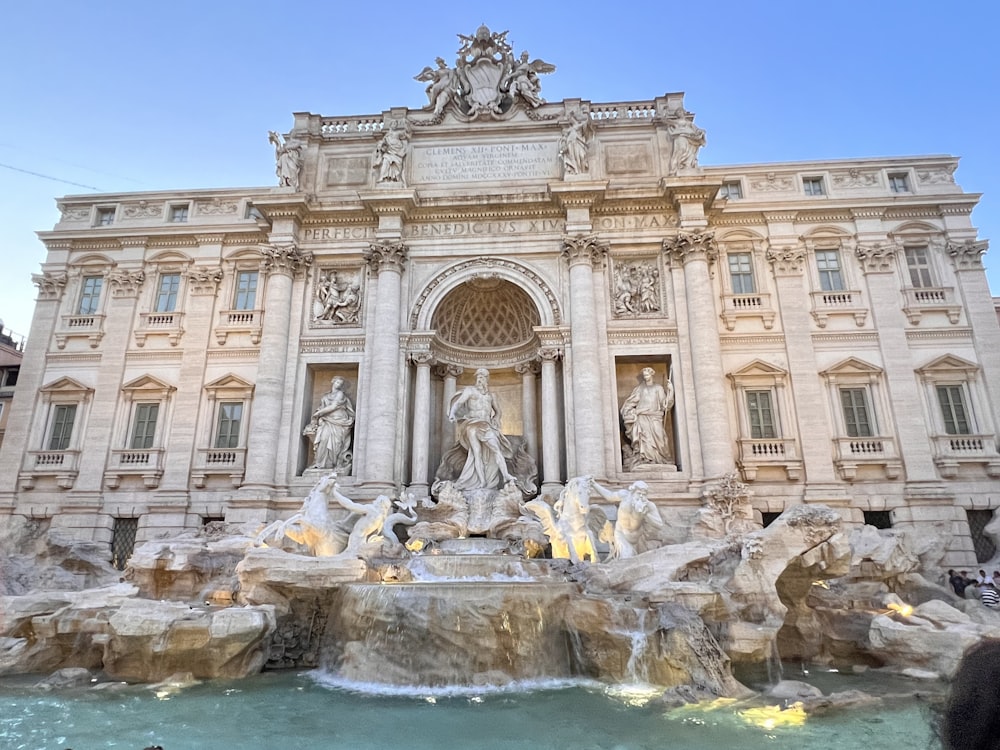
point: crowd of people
(983, 587)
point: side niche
(646, 413)
(337, 297)
(328, 415)
(637, 288)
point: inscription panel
(485, 161)
(347, 170)
(628, 158)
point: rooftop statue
(390, 154)
(686, 138)
(487, 78)
(288, 160)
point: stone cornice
(389, 201)
(578, 194)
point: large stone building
(826, 327)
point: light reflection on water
(298, 711)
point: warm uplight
(770, 717)
(903, 609)
(415, 545)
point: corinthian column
(281, 263)
(421, 422)
(386, 259)
(550, 419)
(694, 251)
(582, 252)
(528, 371)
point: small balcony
(89, 327)
(736, 306)
(63, 465)
(952, 451)
(239, 321)
(167, 324)
(230, 462)
(826, 305)
(144, 463)
(922, 300)
(853, 452)
(780, 453)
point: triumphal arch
(492, 290)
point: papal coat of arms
(487, 78)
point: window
(123, 541)
(899, 183)
(828, 266)
(105, 217)
(63, 417)
(813, 186)
(857, 412)
(227, 433)
(761, 414)
(144, 426)
(981, 542)
(731, 190)
(919, 266)
(951, 398)
(246, 290)
(179, 213)
(8, 378)
(90, 295)
(166, 298)
(880, 519)
(741, 273)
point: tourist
(970, 719)
(958, 582)
(983, 578)
(989, 595)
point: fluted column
(529, 427)
(695, 250)
(421, 422)
(449, 374)
(281, 263)
(582, 253)
(550, 419)
(386, 259)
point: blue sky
(126, 96)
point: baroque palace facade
(823, 328)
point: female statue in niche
(330, 429)
(644, 414)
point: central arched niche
(486, 315)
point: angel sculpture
(441, 84)
(523, 79)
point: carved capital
(424, 359)
(877, 257)
(531, 367)
(386, 256)
(584, 249)
(688, 246)
(968, 255)
(284, 259)
(50, 285)
(786, 261)
(550, 353)
(449, 371)
(126, 283)
(204, 280)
